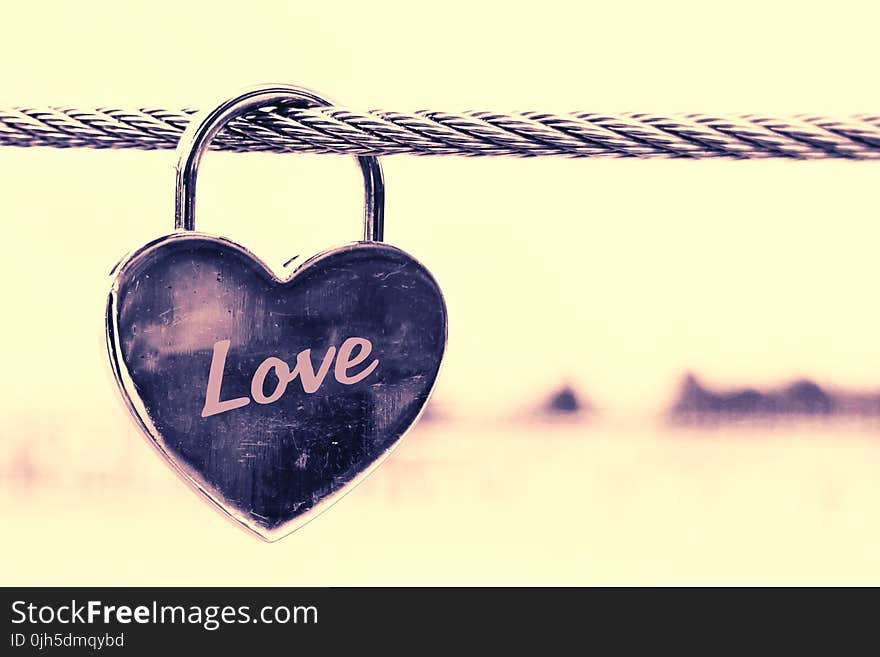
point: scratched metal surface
(271, 464)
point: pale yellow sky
(675, 55)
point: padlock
(272, 396)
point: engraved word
(311, 381)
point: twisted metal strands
(287, 129)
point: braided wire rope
(289, 129)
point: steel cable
(288, 129)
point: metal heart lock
(272, 396)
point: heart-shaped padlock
(272, 396)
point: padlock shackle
(204, 127)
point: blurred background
(659, 372)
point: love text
(352, 352)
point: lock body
(273, 396)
